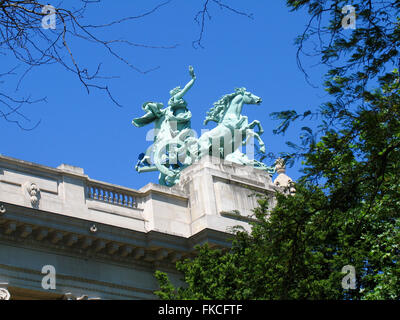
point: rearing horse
(233, 129)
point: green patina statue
(176, 146)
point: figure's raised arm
(180, 94)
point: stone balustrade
(111, 194)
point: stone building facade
(66, 236)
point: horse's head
(248, 97)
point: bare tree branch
(27, 36)
(204, 14)
(24, 37)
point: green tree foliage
(347, 204)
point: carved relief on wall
(4, 294)
(34, 193)
(2, 208)
(70, 296)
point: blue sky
(91, 132)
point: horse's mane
(217, 112)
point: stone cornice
(44, 231)
(29, 166)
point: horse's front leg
(251, 133)
(258, 124)
(260, 142)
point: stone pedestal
(223, 194)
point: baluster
(111, 197)
(120, 196)
(130, 201)
(95, 195)
(134, 202)
(88, 192)
(114, 197)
